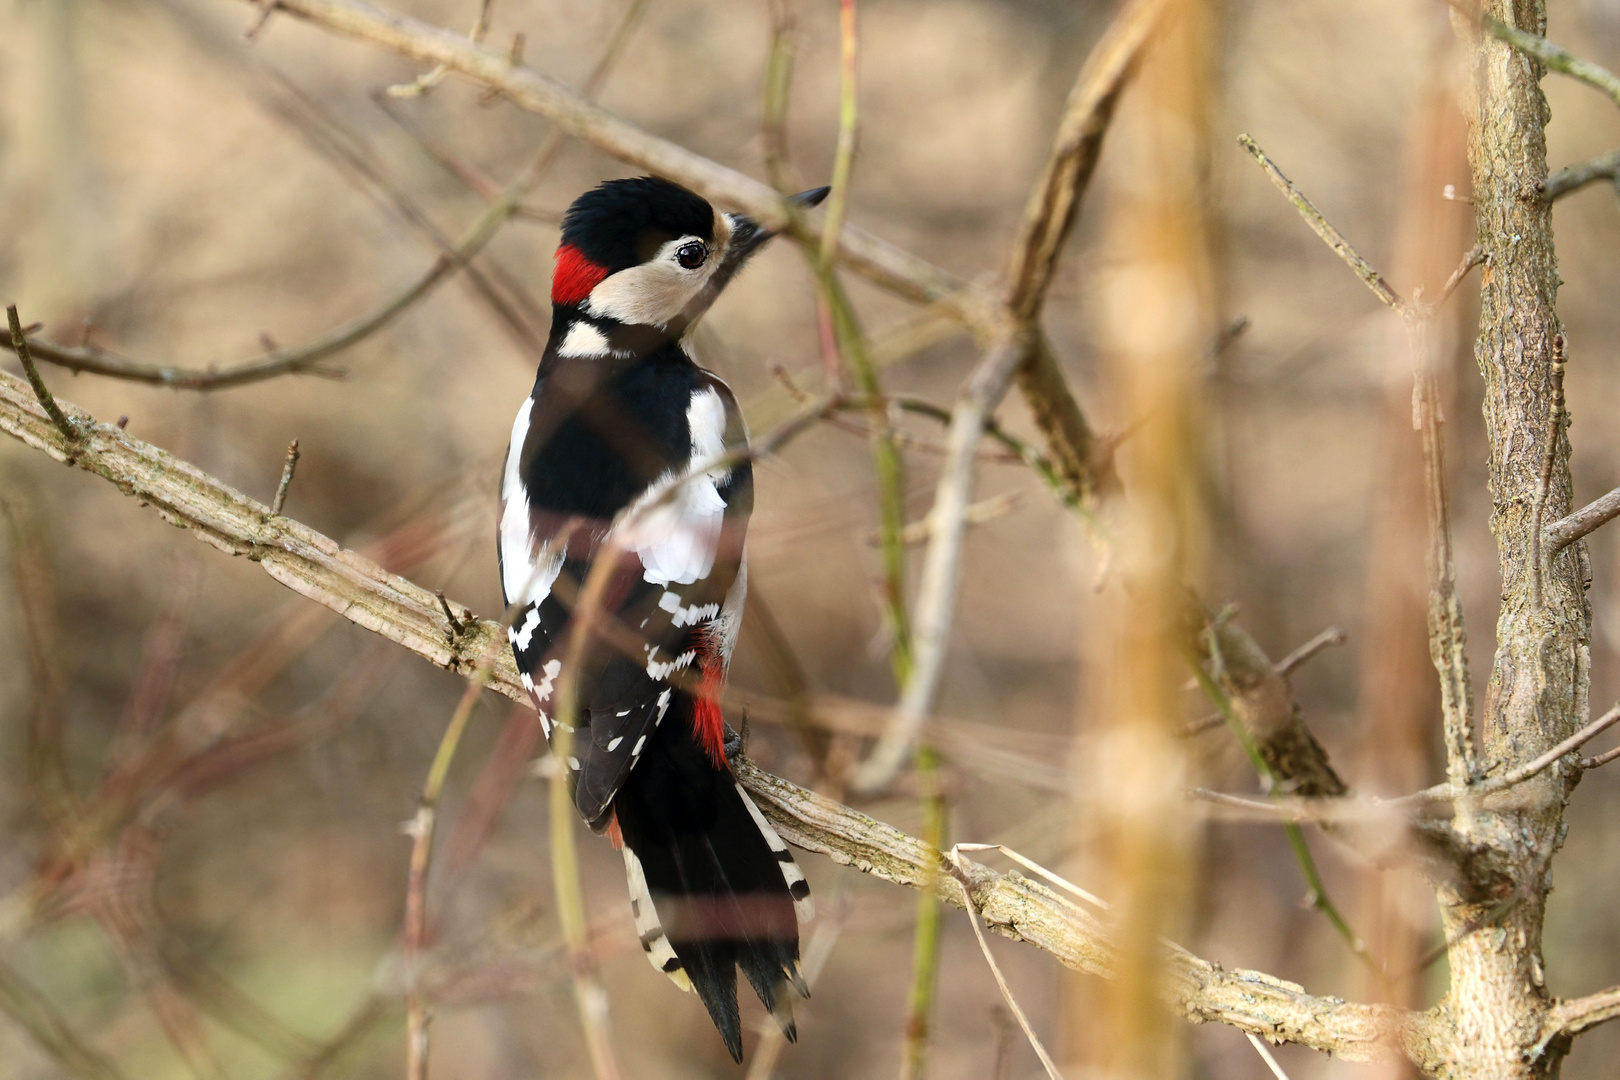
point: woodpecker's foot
(732, 744)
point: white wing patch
(677, 540)
(524, 563)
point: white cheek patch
(655, 292)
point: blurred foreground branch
(363, 592)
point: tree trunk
(1537, 694)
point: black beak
(748, 235)
(804, 200)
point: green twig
(1316, 892)
(844, 155)
(925, 943)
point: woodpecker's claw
(732, 743)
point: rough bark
(1498, 1003)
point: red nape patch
(707, 725)
(575, 276)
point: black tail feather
(719, 896)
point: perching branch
(362, 592)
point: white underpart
(583, 339)
(678, 536)
(527, 566)
(805, 909)
(659, 950)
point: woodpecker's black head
(648, 252)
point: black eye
(692, 255)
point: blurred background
(176, 193)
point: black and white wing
(672, 603)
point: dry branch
(361, 591)
(1565, 531)
(573, 113)
(1572, 178)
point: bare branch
(1569, 1018)
(1055, 199)
(1565, 531)
(362, 592)
(1321, 227)
(1515, 776)
(1572, 178)
(537, 93)
(936, 595)
(1333, 635)
(1554, 57)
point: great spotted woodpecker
(618, 409)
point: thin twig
(1054, 201)
(425, 82)
(1565, 531)
(936, 595)
(995, 969)
(1570, 1018)
(1513, 777)
(421, 829)
(1474, 256)
(1323, 228)
(1316, 891)
(1572, 178)
(848, 117)
(778, 86)
(286, 478)
(19, 343)
(1600, 760)
(1333, 635)
(1266, 1056)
